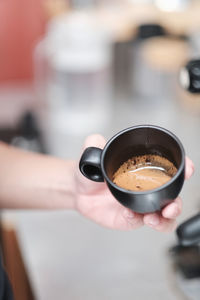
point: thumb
(86, 185)
(94, 140)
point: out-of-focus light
(172, 5)
(184, 78)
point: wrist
(65, 187)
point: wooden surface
(14, 265)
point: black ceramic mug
(100, 165)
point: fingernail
(153, 220)
(128, 214)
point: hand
(95, 202)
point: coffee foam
(144, 172)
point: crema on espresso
(146, 172)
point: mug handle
(90, 164)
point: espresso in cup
(145, 172)
(143, 167)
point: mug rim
(179, 171)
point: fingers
(118, 217)
(95, 140)
(173, 210)
(166, 220)
(189, 168)
(157, 222)
(128, 220)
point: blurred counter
(69, 257)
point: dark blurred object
(29, 128)
(186, 260)
(145, 31)
(188, 233)
(186, 254)
(26, 135)
(190, 76)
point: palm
(96, 203)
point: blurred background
(72, 68)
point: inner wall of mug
(140, 141)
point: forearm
(29, 180)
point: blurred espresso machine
(189, 232)
(186, 253)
